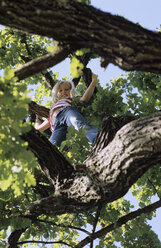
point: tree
(53, 193)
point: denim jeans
(69, 116)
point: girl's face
(63, 90)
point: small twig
(24, 41)
(154, 188)
(64, 226)
(43, 242)
(95, 222)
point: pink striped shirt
(61, 104)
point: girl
(63, 114)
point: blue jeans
(71, 117)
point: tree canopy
(49, 195)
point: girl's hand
(89, 91)
(40, 124)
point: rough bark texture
(57, 167)
(76, 25)
(108, 173)
(37, 109)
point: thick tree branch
(38, 109)
(121, 221)
(42, 63)
(114, 38)
(49, 80)
(108, 175)
(51, 161)
(135, 147)
(110, 126)
(14, 237)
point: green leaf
(6, 183)
(30, 180)
(9, 73)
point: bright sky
(146, 12)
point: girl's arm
(41, 126)
(89, 91)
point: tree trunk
(108, 173)
(76, 25)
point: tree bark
(76, 25)
(38, 109)
(42, 63)
(14, 237)
(107, 175)
(51, 161)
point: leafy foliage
(136, 94)
(15, 170)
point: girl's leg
(73, 118)
(91, 133)
(58, 135)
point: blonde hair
(73, 91)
